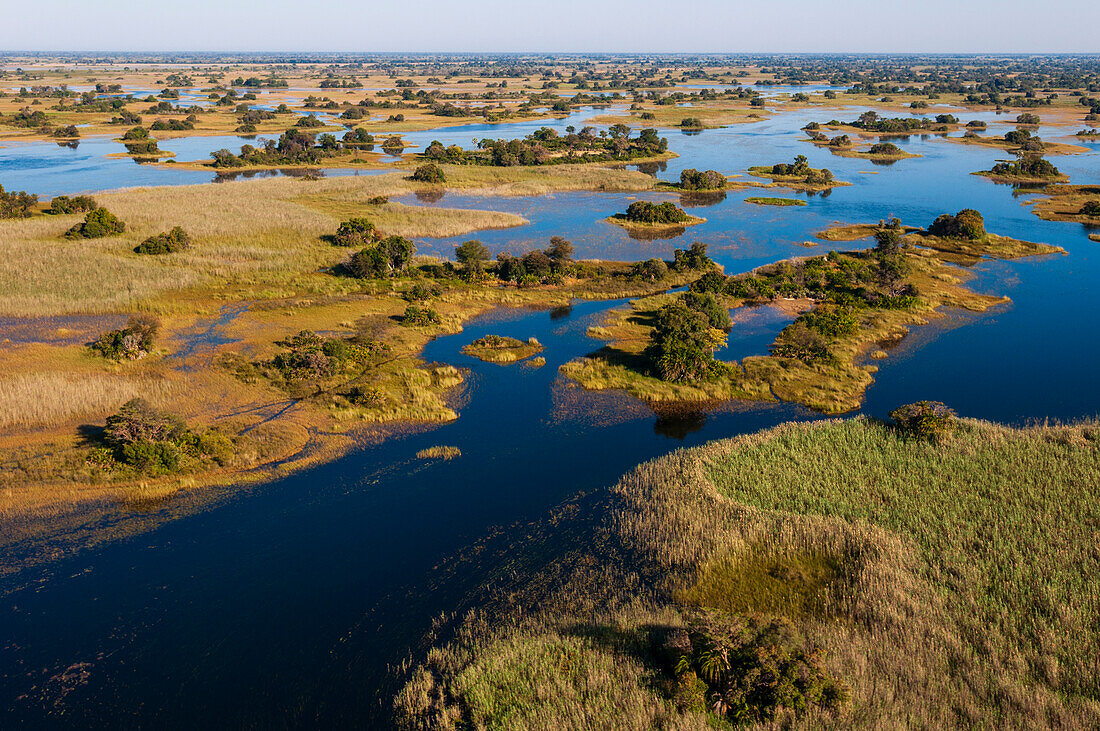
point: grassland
(946, 584)
(258, 271)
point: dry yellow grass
(31, 399)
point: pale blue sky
(1066, 26)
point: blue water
(285, 604)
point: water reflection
(698, 199)
(430, 195)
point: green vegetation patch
(500, 349)
(765, 201)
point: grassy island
(798, 176)
(849, 303)
(766, 201)
(1072, 203)
(498, 349)
(646, 215)
(901, 580)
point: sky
(700, 26)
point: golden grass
(444, 452)
(1064, 202)
(946, 584)
(46, 398)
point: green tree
(682, 344)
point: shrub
(472, 255)
(388, 257)
(800, 342)
(137, 421)
(136, 133)
(692, 123)
(134, 341)
(651, 270)
(967, 224)
(78, 204)
(692, 179)
(16, 204)
(833, 321)
(924, 419)
(659, 213)
(355, 232)
(429, 173)
(692, 259)
(683, 343)
(166, 243)
(707, 304)
(1091, 208)
(755, 668)
(420, 316)
(96, 224)
(378, 200)
(885, 148)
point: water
(285, 604)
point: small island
(797, 175)
(502, 349)
(646, 215)
(1030, 168)
(766, 201)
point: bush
(96, 224)
(800, 342)
(683, 344)
(885, 148)
(924, 419)
(651, 270)
(692, 259)
(966, 224)
(692, 123)
(755, 668)
(420, 316)
(166, 243)
(134, 341)
(1091, 208)
(63, 204)
(16, 204)
(659, 213)
(707, 304)
(388, 257)
(832, 321)
(429, 173)
(472, 255)
(137, 421)
(355, 232)
(692, 179)
(378, 200)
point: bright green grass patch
(765, 201)
(793, 584)
(1004, 521)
